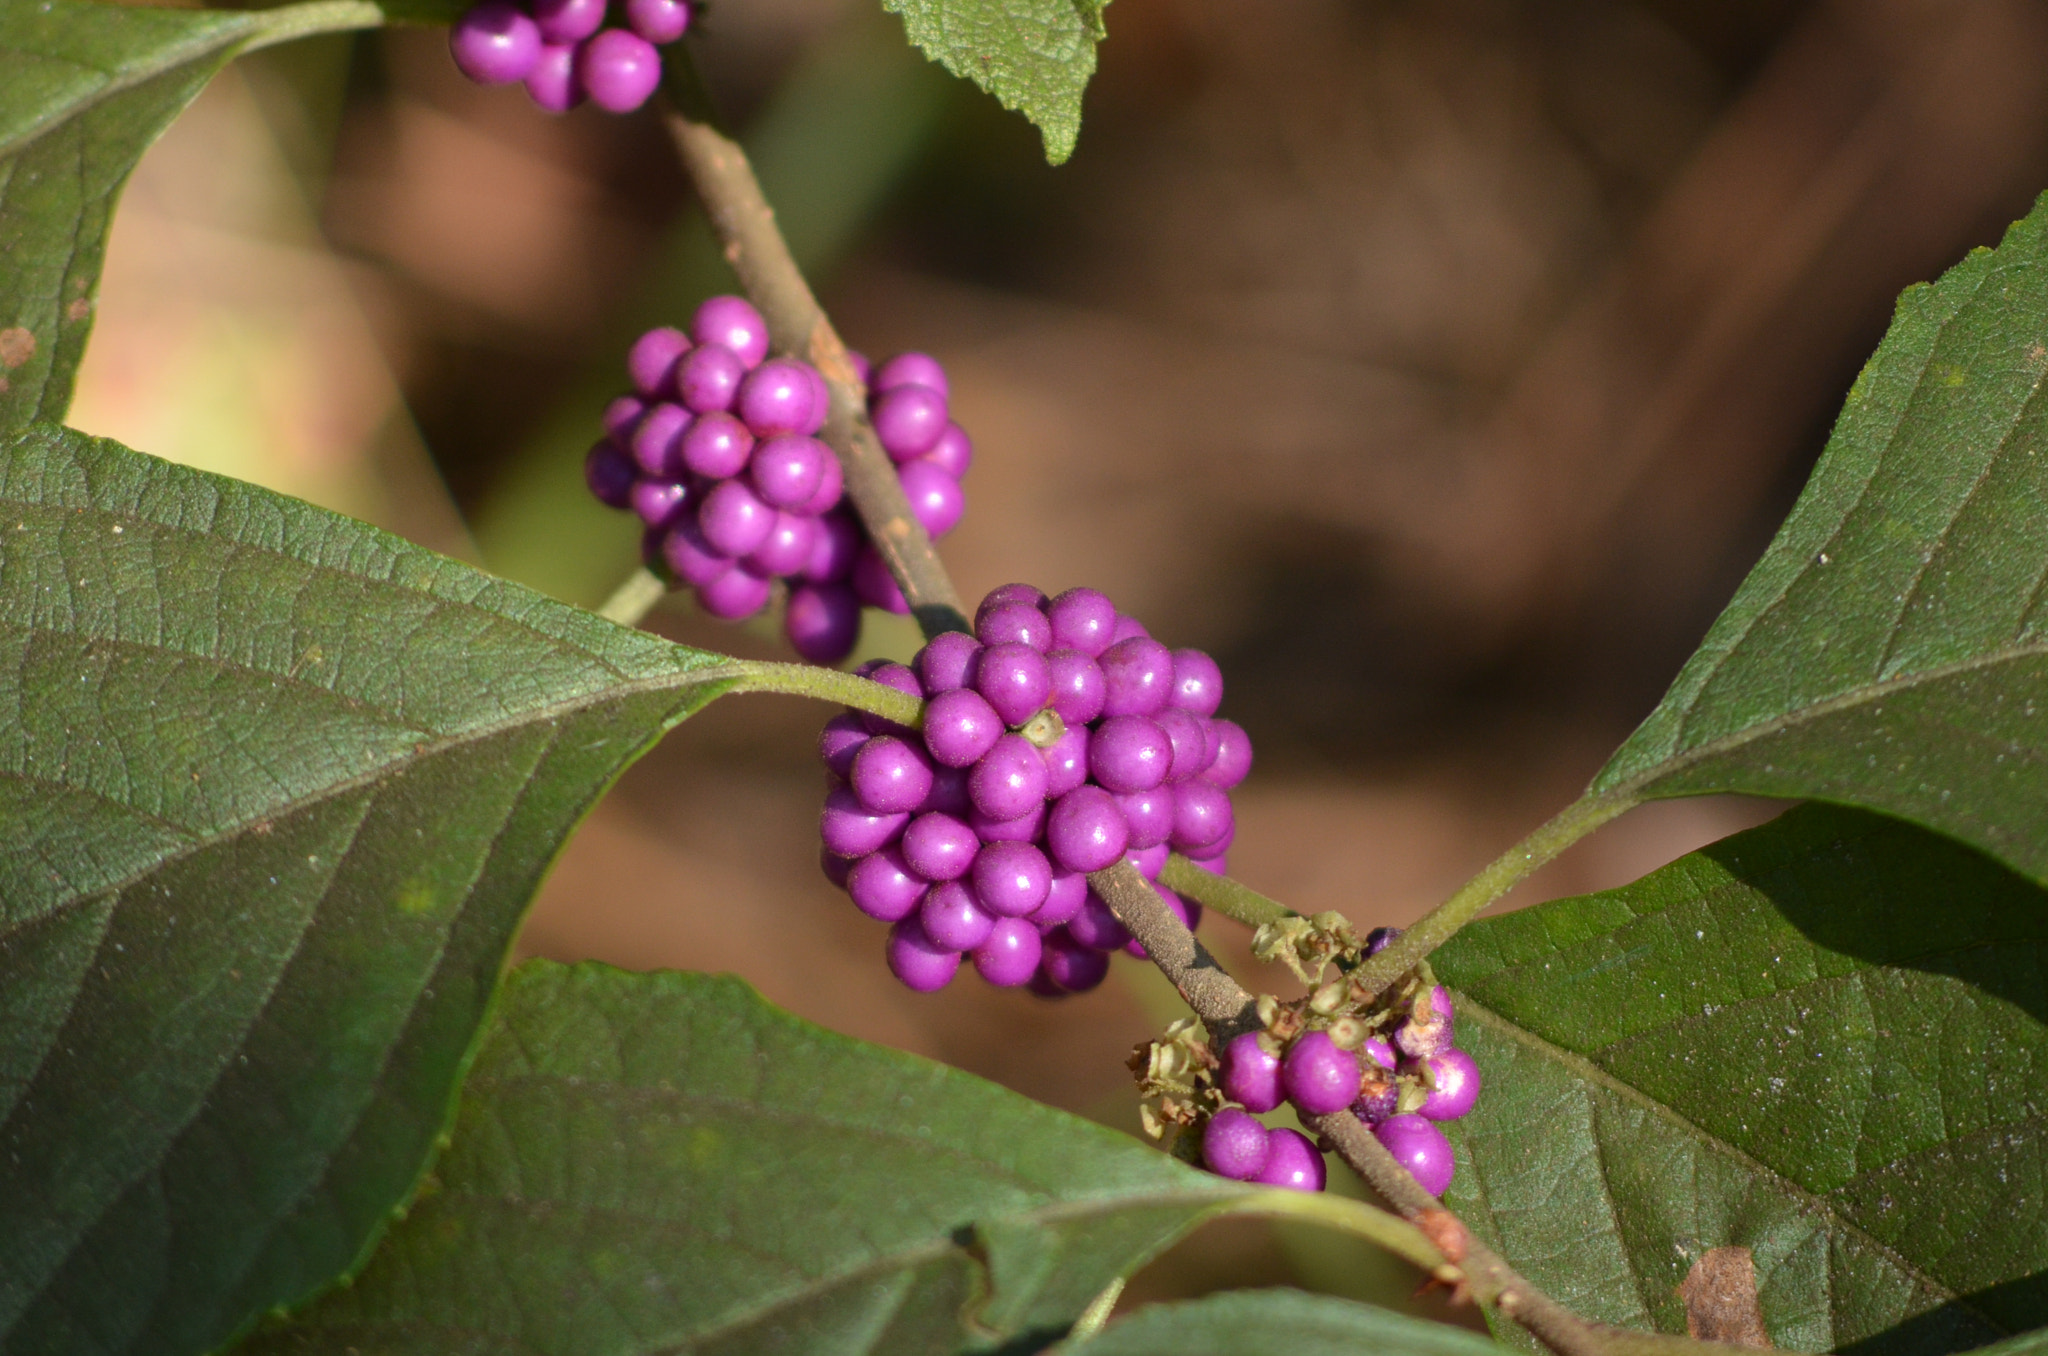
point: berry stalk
(1221, 893)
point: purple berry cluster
(1417, 1067)
(562, 51)
(1056, 739)
(717, 453)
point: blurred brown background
(1440, 365)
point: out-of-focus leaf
(664, 1163)
(1275, 1323)
(1035, 56)
(277, 787)
(1822, 1040)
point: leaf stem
(829, 685)
(1357, 1218)
(1221, 893)
(287, 23)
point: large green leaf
(84, 90)
(1822, 1040)
(277, 789)
(1035, 56)
(665, 1163)
(1891, 648)
(1275, 1323)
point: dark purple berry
(1083, 620)
(733, 322)
(1149, 815)
(567, 20)
(1064, 896)
(787, 469)
(622, 416)
(1137, 677)
(960, 726)
(835, 867)
(1027, 828)
(833, 550)
(1379, 1097)
(1015, 680)
(875, 585)
(940, 846)
(1129, 753)
(1320, 1077)
(1072, 967)
(1011, 880)
(1066, 762)
(659, 21)
(947, 661)
(936, 499)
(1191, 745)
(1251, 1073)
(1094, 925)
(651, 362)
(1233, 754)
(822, 622)
(495, 43)
(1085, 831)
(850, 829)
(1234, 1145)
(1292, 1162)
(1002, 595)
(694, 560)
(839, 742)
(1202, 817)
(953, 453)
(1420, 1147)
(1379, 939)
(949, 795)
(777, 398)
(911, 369)
(1197, 683)
(883, 888)
(1009, 779)
(1010, 954)
(737, 594)
(953, 919)
(552, 83)
(609, 473)
(898, 677)
(921, 963)
(891, 774)
(1077, 691)
(657, 442)
(908, 421)
(1454, 1085)
(1013, 624)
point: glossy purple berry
(1026, 828)
(850, 829)
(891, 774)
(953, 918)
(875, 585)
(1015, 680)
(733, 518)
(659, 21)
(787, 547)
(1072, 967)
(495, 43)
(1083, 620)
(777, 398)
(953, 453)
(1293, 1162)
(949, 795)
(960, 726)
(621, 416)
(1011, 880)
(1234, 1145)
(940, 846)
(839, 742)
(1251, 1073)
(1127, 628)
(1002, 595)
(936, 499)
(911, 369)
(567, 20)
(1420, 1147)
(786, 469)
(736, 595)
(1066, 892)
(714, 445)
(619, 69)
(651, 362)
(1013, 623)
(708, 378)
(908, 421)
(1066, 762)
(1009, 779)
(921, 963)
(1010, 954)
(834, 548)
(947, 661)
(1149, 861)
(1379, 939)
(609, 473)
(1454, 1085)
(1320, 1077)
(1129, 753)
(1233, 754)
(1137, 677)
(836, 868)
(1189, 736)
(831, 488)
(1149, 815)
(552, 83)
(692, 559)
(1379, 1052)
(1095, 925)
(1085, 830)
(733, 322)
(1202, 817)
(822, 622)
(657, 439)
(658, 503)
(1197, 683)
(1077, 691)
(883, 888)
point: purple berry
(1379, 939)
(1011, 880)
(608, 471)
(908, 421)
(947, 661)
(552, 83)
(939, 846)
(1129, 753)
(1083, 620)
(787, 547)
(953, 919)
(659, 21)
(737, 594)
(889, 675)
(1197, 683)
(1077, 690)
(708, 378)
(733, 322)
(733, 519)
(1086, 830)
(657, 442)
(1010, 955)
(875, 585)
(1319, 1076)
(619, 70)
(1064, 896)
(890, 774)
(622, 416)
(1440, 1002)
(1420, 1147)
(1137, 677)
(836, 868)
(850, 829)
(1072, 967)
(1293, 1162)
(935, 496)
(1002, 595)
(1201, 817)
(822, 622)
(949, 795)
(1009, 779)
(953, 453)
(567, 20)
(1379, 1097)
(651, 362)
(1066, 762)
(1026, 828)
(1454, 1085)
(921, 963)
(831, 488)
(1233, 754)
(1149, 861)
(692, 559)
(834, 548)
(1016, 623)
(787, 469)
(1379, 1052)
(715, 445)
(495, 43)
(1128, 627)
(1095, 925)
(1251, 1073)
(1190, 738)
(1015, 680)
(777, 398)
(1149, 815)
(911, 369)
(839, 742)
(658, 503)
(863, 370)
(884, 888)
(1234, 1145)
(960, 726)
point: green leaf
(1822, 1040)
(1891, 647)
(84, 90)
(664, 1162)
(1276, 1323)
(278, 787)
(1035, 56)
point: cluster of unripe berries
(562, 51)
(716, 451)
(1400, 1086)
(1056, 739)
